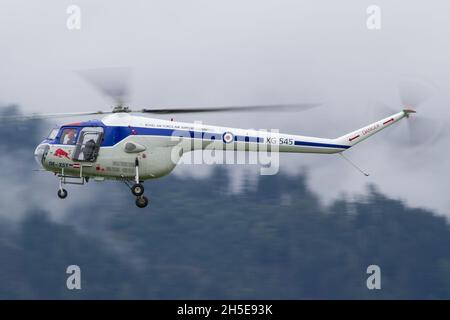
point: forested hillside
(196, 240)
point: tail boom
(362, 134)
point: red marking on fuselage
(61, 153)
(351, 139)
(386, 122)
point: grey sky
(256, 51)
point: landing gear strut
(137, 189)
(62, 193)
(68, 179)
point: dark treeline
(195, 240)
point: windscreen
(52, 135)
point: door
(88, 144)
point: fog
(208, 53)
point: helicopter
(132, 148)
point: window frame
(80, 144)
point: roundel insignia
(228, 137)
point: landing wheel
(62, 193)
(137, 189)
(142, 201)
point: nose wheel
(62, 193)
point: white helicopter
(130, 148)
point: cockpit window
(52, 135)
(69, 136)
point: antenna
(353, 164)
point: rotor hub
(121, 109)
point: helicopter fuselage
(111, 148)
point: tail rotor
(417, 131)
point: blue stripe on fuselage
(164, 132)
(218, 136)
(317, 144)
(115, 134)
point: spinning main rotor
(114, 83)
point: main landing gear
(137, 189)
(142, 201)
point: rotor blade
(424, 131)
(267, 108)
(112, 82)
(416, 132)
(380, 109)
(38, 116)
(413, 93)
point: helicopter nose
(39, 153)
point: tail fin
(362, 134)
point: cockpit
(85, 137)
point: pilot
(70, 137)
